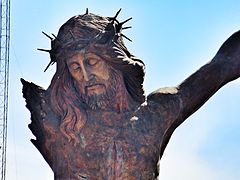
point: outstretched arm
(182, 101)
(176, 104)
(200, 86)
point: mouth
(95, 88)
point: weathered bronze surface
(94, 121)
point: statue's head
(94, 80)
(93, 65)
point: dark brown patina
(94, 122)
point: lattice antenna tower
(4, 70)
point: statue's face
(90, 72)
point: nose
(87, 74)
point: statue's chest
(113, 146)
(108, 136)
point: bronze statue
(94, 121)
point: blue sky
(174, 39)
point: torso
(115, 146)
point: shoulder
(38, 104)
(165, 97)
(33, 95)
(166, 102)
(163, 93)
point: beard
(99, 101)
(104, 100)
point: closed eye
(75, 67)
(93, 61)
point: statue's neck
(121, 103)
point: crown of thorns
(113, 30)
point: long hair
(102, 35)
(64, 102)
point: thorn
(47, 35)
(45, 50)
(125, 21)
(128, 27)
(54, 36)
(114, 18)
(51, 63)
(126, 37)
(86, 11)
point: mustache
(100, 101)
(93, 81)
